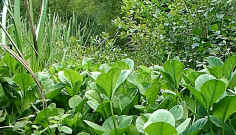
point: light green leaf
(93, 99)
(215, 66)
(197, 94)
(161, 115)
(23, 80)
(99, 129)
(175, 69)
(181, 128)
(42, 116)
(65, 129)
(124, 122)
(152, 91)
(214, 61)
(232, 81)
(140, 121)
(212, 90)
(177, 112)
(229, 66)
(108, 81)
(83, 133)
(199, 82)
(129, 62)
(73, 76)
(214, 27)
(195, 127)
(75, 101)
(160, 128)
(223, 109)
(75, 80)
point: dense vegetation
(118, 67)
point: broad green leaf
(42, 116)
(124, 101)
(108, 81)
(232, 81)
(123, 123)
(202, 79)
(83, 133)
(182, 127)
(73, 76)
(122, 78)
(175, 69)
(177, 112)
(152, 91)
(214, 61)
(190, 76)
(86, 61)
(160, 128)
(23, 80)
(140, 121)
(93, 99)
(129, 62)
(197, 94)
(141, 78)
(75, 79)
(214, 27)
(161, 115)
(3, 115)
(99, 129)
(195, 127)
(65, 129)
(75, 101)
(226, 107)
(212, 90)
(229, 66)
(215, 66)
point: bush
(159, 30)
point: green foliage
(117, 99)
(86, 97)
(191, 30)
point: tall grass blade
(42, 20)
(17, 25)
(4, 20)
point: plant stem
(113, 117)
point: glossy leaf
(65, 129)
(160, 128)
(226, 107)
(99, 129)
(161, 115)
(108, 81)
(75, 101)
(23, 80)
(232, 81)
(229, 66)
(195, 127)
(199, 82)
(174, 69)
(182, 127)
(177, 112)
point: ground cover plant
(116, 98)
(159, 68)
